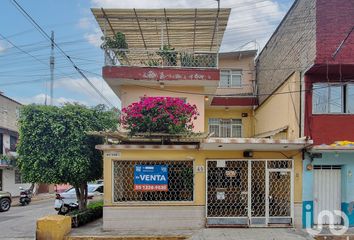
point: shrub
(159, 115)
(93, 211)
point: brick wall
(325, 128)
(335, 18)
(292, 47)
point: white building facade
(10, 177)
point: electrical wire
(39, 28)
(219, 95)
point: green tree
(54, 148)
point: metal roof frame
(198, 29)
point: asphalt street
(20, 222)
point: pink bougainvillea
(159, 115)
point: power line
(37, 59)
(40, 29)
(224, 95)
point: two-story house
(223, 174)
(305, 87)
(10, 177)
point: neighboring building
(10, 177)
(228, 178)
(305, 82)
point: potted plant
(118, 45)
(168, 55)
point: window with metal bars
(225, 128)
(180, 182)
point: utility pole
(51, 63)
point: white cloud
(94, 37)
(93, 33)
(249, 20)
(3, 46)
(84, 23)
(40, 99)
(79, 85)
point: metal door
(249, 192)
(258, 193)
(279, 201)
(227, 192)
(327, 192)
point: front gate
(249, 192)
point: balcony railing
(160, 58)
(7, 163)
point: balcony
(161, 58)
(7, 163)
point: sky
(26, 78)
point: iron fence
(160, 58)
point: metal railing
(7, 162)
(160, 58)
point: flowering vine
(159, 115)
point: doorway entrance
(249, 192)
(327, 192)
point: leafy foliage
(118, 45)
(117, 42)
(159, 115)
(81, 217)
(53, 146)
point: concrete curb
(37, 198)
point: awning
(159, 141)
(196, 29)
(329, 148)
(255, 144)
(271, 133)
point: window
(333, 98)
(13, 142)
(17, 113)
(230, 78)
(350, 98)
(225, 127)
(180, 182)
(18, 177)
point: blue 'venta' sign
(151, 178)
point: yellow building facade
(237, 169)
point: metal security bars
(249, 192)
(225, 128)
(227, 198)
(180, 182)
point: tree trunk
(81, 195)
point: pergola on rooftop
(194, 34)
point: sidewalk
(36, 198)
(95, 229)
